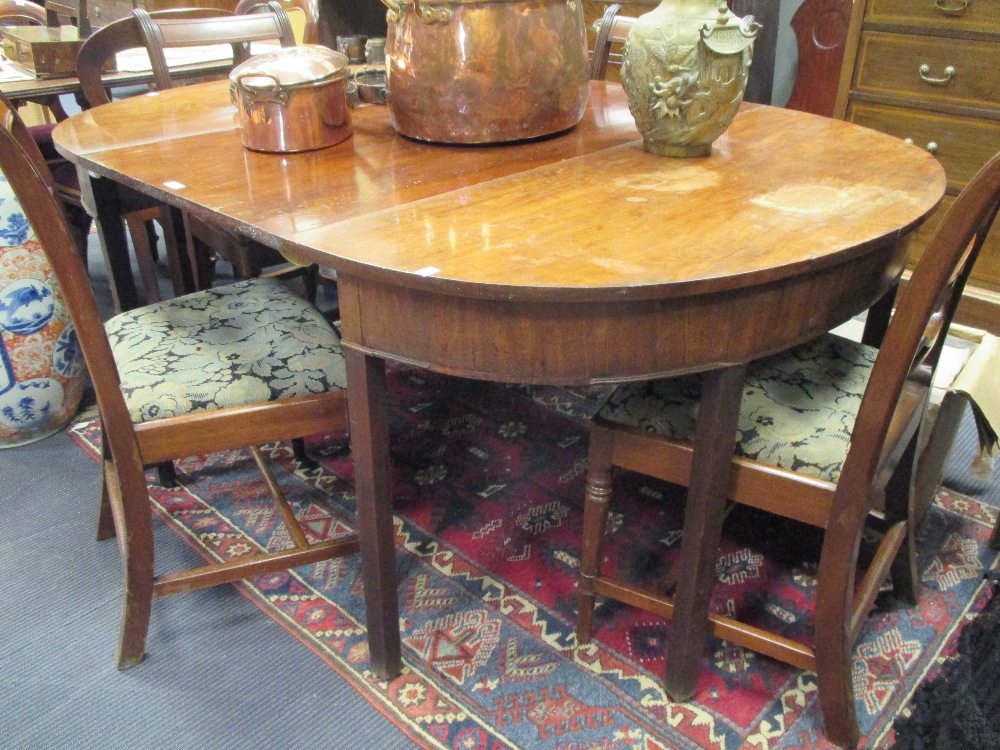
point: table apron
(578, 343)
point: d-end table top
(586, 214)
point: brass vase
(685, 68)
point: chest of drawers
(929, 71)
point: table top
(781, 189)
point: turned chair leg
(597, 501)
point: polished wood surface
(573, 259)
(878, 472)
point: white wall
(786, 53)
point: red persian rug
(488, 491)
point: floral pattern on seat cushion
(246, 343)
(798, 407)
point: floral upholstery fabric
(246, 343)
(798, 407)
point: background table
(570, 260)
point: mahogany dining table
(569, 260)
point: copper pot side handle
(275, 94)
(395, 11)
(426, 13)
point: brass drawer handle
(925, 69)
(951, 10)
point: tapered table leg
(714, 442)
(368, 412)
(100, 196)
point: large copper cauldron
(485, 71)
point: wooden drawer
(986, 272)
(962, 144)
(103, 12)
(968, 18)
(907, 65)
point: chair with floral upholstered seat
(827, 435)
(240, 365)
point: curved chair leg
(137, 559)
(595, 517)
(834, 645)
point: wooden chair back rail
(612, 30)
(115, 37)
(24, 13)
(877, 472)
(239, 31)
(124, 509)
(309, 9)
(97, 50)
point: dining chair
(611, 32)
(160, 33)
(138, 210)
(302, 14)
(827, 436)
(241, 365)
(21, 13)
(27, 13)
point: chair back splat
(119, 36)
(168, 386)
(840, 457)
(160, 34)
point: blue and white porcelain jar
(42, 371)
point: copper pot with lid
(292, 99)
(485, 71)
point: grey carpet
(219, 674)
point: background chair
(611, 32)
(160, 33)
(160, 398)
(138, 210)
(303, 15)
(839, 457)
(820, 28)
(26, 13)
